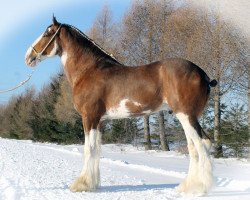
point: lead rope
(19, 85)
(38, 57)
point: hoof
(192, 188)
(82, 184)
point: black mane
(101, 55)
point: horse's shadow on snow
(144, 187)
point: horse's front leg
(89, 178)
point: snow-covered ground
(45, 171)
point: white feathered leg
(90, 176)
(97, 159)
(199, 179)
(192, 171)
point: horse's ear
(55, 22)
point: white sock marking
(91, 158)
(199, 178)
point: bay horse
(104, 88)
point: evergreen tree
(120, 131)
(44, 122)
(19, 127)
(160, 130)
(234, 131)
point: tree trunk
(217, 114)
(218, 146)
(149, 58)
(163, 138)
(147, 142)
(164, 144)
(248, 96)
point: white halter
(39, 54)
(38, 57)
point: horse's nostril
(32, 59)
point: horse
(103, 88)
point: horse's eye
(47, 32)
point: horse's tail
(213, 83)
(210, 84)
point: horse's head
(44, 46)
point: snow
(30, 171)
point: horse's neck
(76, 61)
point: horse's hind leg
(199, 179)
(193, 168)
(89, 178)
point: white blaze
(29, 51)
(42, 57)
(37, 40)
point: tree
(163, 139)
(64, 108)
(159, 128)
(53, 116)
(6, 112)
(2, 109)
(234, 131)
(16, 115)
(43, 121)
(210, 42)
(147, 140)
(121, 131)
(165, 9)
(143, 41)
(69, 121)
(21, 115)
(248, 97)
(103, 30)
